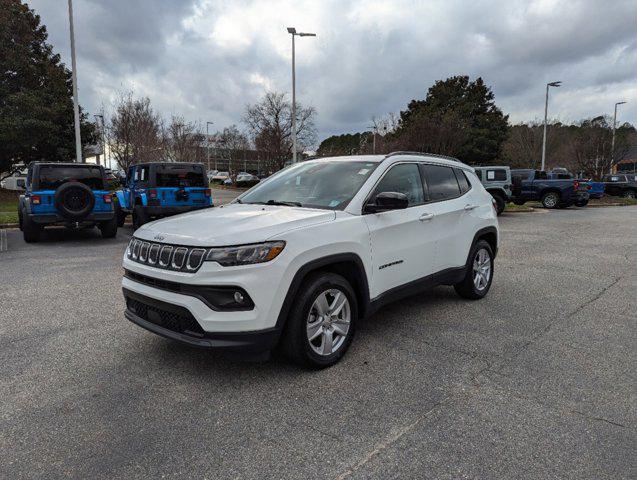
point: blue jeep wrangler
(155, 190)
(69, 194)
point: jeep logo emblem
(158, 237)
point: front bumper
(177, 323)
(56, 218)
(159, 211)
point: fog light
(238, 297)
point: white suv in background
(300, 258)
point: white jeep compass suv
(300, 258)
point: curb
(9, 225)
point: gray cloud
(207, 59)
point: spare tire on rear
(74, 200)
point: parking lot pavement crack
(544, 330)
(555, 406)
(387, 442)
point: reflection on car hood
(233, 224)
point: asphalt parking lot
(535, 381)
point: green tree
(36, 107)
(457, 117)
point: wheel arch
(348, 265)
(488, 234)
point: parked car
(211, 173)
(535, 185)
(595, 189)
(156, 190)
(299, 259)
(621, 185)
(69, 194)
(16, 181)
(497, 181)
(220, 178)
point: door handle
(426, 216)
(470, 207)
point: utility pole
(292, 31)
(546, 109)
(208, 144)
(101, 116)
(76, 107)
(612, 146)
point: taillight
(207, 192)
(494, 204)
(35, 199)
(575, 184)
(152, 194)
(107, 198)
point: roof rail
(422, 154)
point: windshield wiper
(279, 202)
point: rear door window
(496, 175)
(441, 182)
(463, 181)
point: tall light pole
(292, 31)
(103, 136)
(208, 143)
(76, 107)
(612, 145)
(546, 110)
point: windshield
(180, 176)
(52, 176)
(325, 184)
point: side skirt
(449, 276)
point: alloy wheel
(481, 269)
(328, 322)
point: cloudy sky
(206, 59)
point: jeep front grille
(167, 257)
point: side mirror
(386, 201)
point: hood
(233, 224)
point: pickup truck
(535, 185)
(621, 185)
(595, 189)
(156, 190)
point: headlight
(245, 254)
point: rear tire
(550, 200)
(108, 229)
(325, 307)
(139, 217)
(479, 272)
(120, 215)
(583, 203)
(30, 230)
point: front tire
(479, 275)
(321, 323)
(550, 200)
(629, 194)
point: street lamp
(546, 109)
(76, 107)
(101, 117)
(612, 146)
(208, 144)
(292, 31)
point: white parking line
(4, 243)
